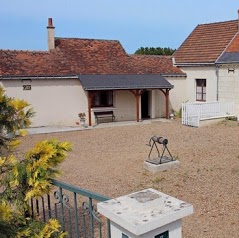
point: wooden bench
(104, 114)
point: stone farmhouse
(97, 76)
(89, 76)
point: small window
(102, 99)
(201, 90)
(124, 236)
(163, 235)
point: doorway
(145, 105)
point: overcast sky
(135, 23)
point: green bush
(232, 118)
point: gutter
(69, 76)
(229, 62)
(217, 74)
(174, 75)
(194, 64)
(92, 88)
(38, 77)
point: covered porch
(101, 88)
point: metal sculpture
(154, 140)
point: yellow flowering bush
(25, 178)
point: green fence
(75, 208)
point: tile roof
(231, 54)
(206, 42)
(153, 64)
(73, 56)
(234, 45)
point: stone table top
(144, 211)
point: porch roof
(124, 81)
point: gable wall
(229, 85)
(193, 73)
(55, 101)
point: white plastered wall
(160, 108)
(179, 93)
(229, 85)
(58, 101)
(125, 102)
(55, 101)
(193, 73)
(125, 105)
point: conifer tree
(155, 51)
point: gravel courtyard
(110, 160)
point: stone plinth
(154, 166)
(145, 214)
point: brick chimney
(51, 35)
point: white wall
(125, 106)
(125, 102)
(229, 85)
(58, 101)
(208, 73)
(160, 104)
(55, 101)
(174, 228)
(179, 93)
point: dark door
(145, 105)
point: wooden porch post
(137, 95)
(89, 107)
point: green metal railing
(75, 208)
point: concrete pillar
(145, 214)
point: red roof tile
(206, 42)
(73, 56)
(153, 64)
(234, 45)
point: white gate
(193, 113)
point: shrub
(25, 178)
(232, 118)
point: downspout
(217, 75)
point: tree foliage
(155, 51)
(22, 179)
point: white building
(210, 59)
(95, 76)
(89, 76)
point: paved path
(54, 129)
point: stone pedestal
(145, 214)
(154, 166)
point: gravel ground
(109, 161)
